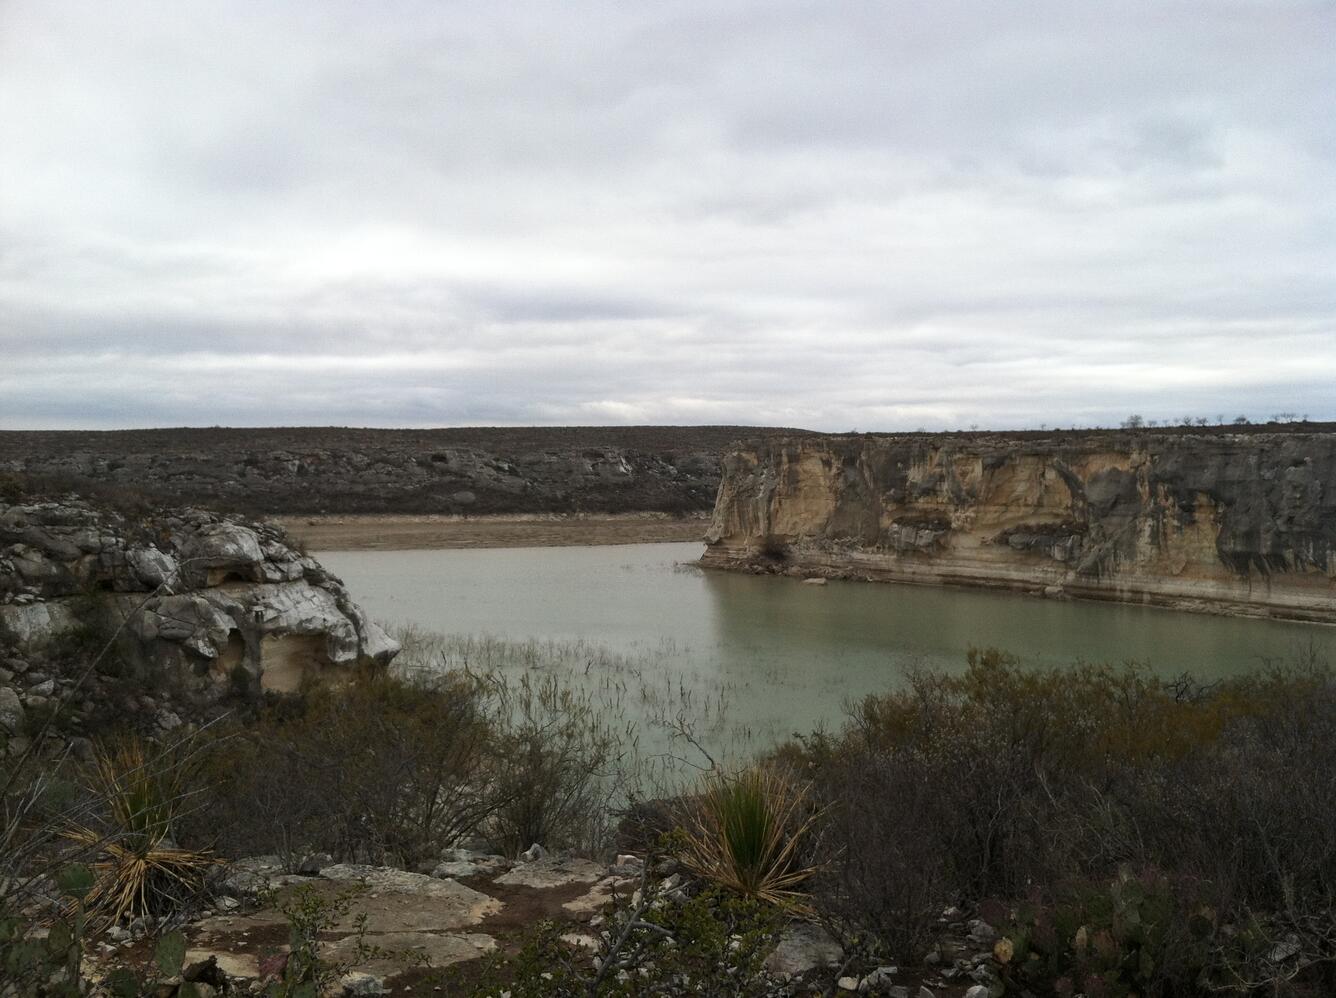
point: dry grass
(141, 871)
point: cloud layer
(833, 215)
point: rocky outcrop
(1232, 523)
(210, 599)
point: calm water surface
(785, 655)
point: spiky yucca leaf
(140, 869)
(745, 832)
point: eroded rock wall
(199, 593)
(1242, 524)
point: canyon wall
(1219, 522)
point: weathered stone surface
(34, 624)
(599, 896)
(1233, 523)
(405, 916)
(11, 712)
(233, 964)
(441, 948)
(803, 947)
(550, 872)
(198, 591)
(397, 900)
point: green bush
(653, 943)
(1134, 936)
(747, 834)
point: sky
(834, 215)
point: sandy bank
(404, 532)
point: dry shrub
(560, 767)
(380, 771)
(394, 770)
(964, 788)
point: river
(785, 656)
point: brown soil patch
(401, 533)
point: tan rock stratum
(1219, 522)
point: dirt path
(402, 532)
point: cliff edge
(1241, 524)
(207, 599)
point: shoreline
(406, 532)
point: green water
(785, 656)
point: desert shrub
(1137, 935)
(660, 940)
(75, 844)
(884, 881)
(962, 788)
(381, 770)
(560, 767)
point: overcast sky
(836, 215)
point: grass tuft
(141, 870)
(746, 834)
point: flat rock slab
(406, 950)
(398, 901)
(543, 873)
(410, 918)
(239, 925)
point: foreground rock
(210, 600)
(401, 929)
(1238, 523)
(406, 918)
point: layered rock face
(1232, 523)
(214, 598)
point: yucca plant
(140, 870)
(745, 833)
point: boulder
(223, 548)
(11, 712)
(802, 948)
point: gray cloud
(833, 215)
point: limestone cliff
(1220, 522)
(213, 599)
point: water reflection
(788, 655)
